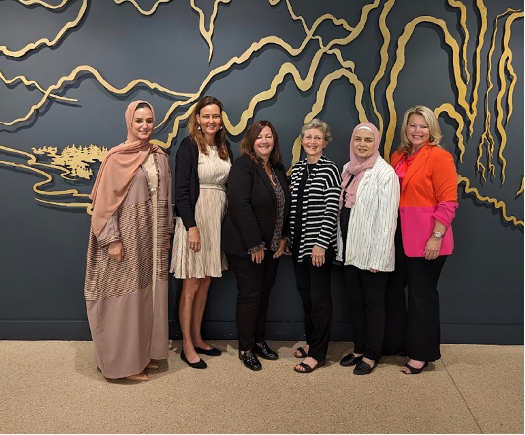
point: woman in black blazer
(252, 234)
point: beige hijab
(117, 171)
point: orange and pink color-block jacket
(428, 193)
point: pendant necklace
(270, 175)
(153, 188)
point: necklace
(152, 188)
(269, 172)
(308, 168)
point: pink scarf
(402, 166)
(117, 171)
(358, 166)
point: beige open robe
(127, 302)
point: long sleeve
(240, 184)
(444, 181)
(331, 208)
(382, 246)
(183, 170)
(110, 232)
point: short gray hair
(321, 125)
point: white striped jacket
(320, 205)
(373, 220)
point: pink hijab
(357, 166)
(117, 171)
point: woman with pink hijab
(367, 221)
(126, 286)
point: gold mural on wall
(74, 162)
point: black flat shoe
(350, 360)
(198, 365)
(363, 368)
(210, 352)
(250, 360)
(264, 351)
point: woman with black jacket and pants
(252, 234)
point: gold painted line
(510, 68)
(520, 190)
(495, 202)
(463, 22)
(452, 112)
(385, 32)
(42, 3)
(143, 11)
(46, 41)
(27, 82)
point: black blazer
(252, 206)
(187, 180)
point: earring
(199, 127)
(220, 128)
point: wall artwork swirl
(317, 50)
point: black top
(252, 207)
(187, 180)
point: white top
(373, 221)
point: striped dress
(320, 205)
(209, 213)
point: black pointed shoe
(250, 360)
(264, 351)
(197, 365)
(210, 352)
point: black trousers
(395, 337)
(254, 283)
(415, 328)
(423, 323)
(366, 291)
(313, 285)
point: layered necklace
(151, 187)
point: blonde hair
(433, 126)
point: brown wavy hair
(198, 136)
(251, 136)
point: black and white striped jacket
(320, 205)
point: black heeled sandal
(302, 353)
(413, 370)
(307, 368)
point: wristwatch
(438, 234)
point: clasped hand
(116, 251)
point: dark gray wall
(43, 247)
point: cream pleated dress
(209, 213)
